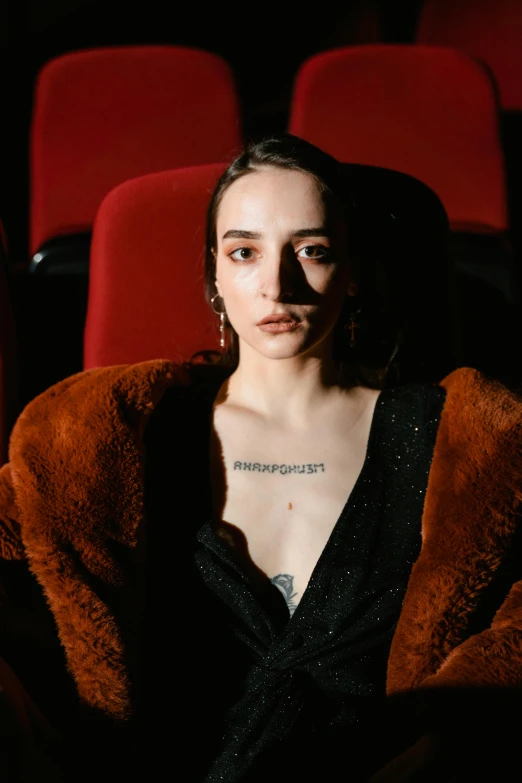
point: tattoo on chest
(283, 468)
(285, 584)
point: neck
(290, 390)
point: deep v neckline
(346, 511)
(209, 535)
(289, 682)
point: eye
(242, 254)
(315, 253)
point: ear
(218, 288)
(353, 288)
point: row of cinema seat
(426, 110)
(103, 116)
(153, 108)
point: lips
(278, 323)
(277, 318)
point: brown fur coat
(72, 505)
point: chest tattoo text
(283, 468)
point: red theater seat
(102, 116)
(146, 280)
(489, 30)
(426, 111)
(431, 112)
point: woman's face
(281, 262)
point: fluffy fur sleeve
(461, 622)
(76, 463)
(11, 547)
(457, 653)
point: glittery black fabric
(305, 695)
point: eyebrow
(235, 233)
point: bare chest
(279, 498)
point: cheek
(239, 282)
(328, 281)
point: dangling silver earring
(222, 316)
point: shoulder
(414, 408)
(481, 432)
(465, 393)
(466, 409)
(420, 396)
(483, 406)
(475, 482)
(480, 436)
(89, 404)
(184, 406)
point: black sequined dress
(305, 694)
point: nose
(278, 275)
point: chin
(282, 346)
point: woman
(279, 564)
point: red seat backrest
(490, 30)
(103, 116)
(426, 111)
(146, 282)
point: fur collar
(85, 435)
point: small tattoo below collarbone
(283, 468)
(285, 584)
